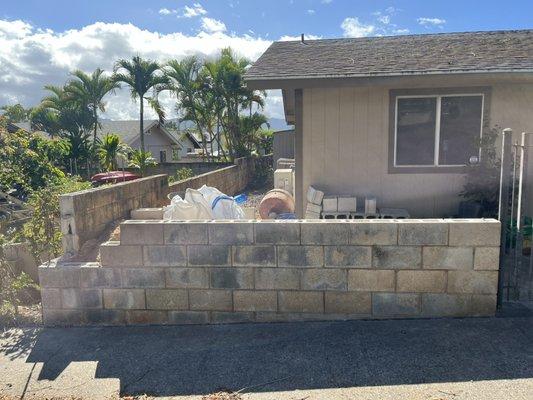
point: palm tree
(90, 90)
(110, 150)
(141, 76)
(142, 160)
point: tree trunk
(141, 124)
(95, 116)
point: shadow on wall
(187, 360)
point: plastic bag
(193, 207)
(222, 206)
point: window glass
(460, 127)
(415, 131)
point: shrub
(181, 174)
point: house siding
(346, 139)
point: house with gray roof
(399, 117)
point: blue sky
(42, 41)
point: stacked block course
(169, 272)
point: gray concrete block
(254, 256)
(59, 277)
(190, 278)
(325, 232)
(482, 305)
(348, 302)
(232, 278)
(81, 298)
(397, 257)
(300, 256)
(421, 281)
(348, 256)
(255, 300)
(469, 233)
(231, 232)
(210, 300)
(487, 258)
(51, 298)
(324, 279)
(185, 233)
(104, 317)
(304, 302)
(167, 299)
(277, 278)
(53, 317)
(141, 232)
(426, 233)
(277, 232)
(220, 317)
(124, 298)
(371, 280)
(475, 282)
(209, 255)
(373, 233)
(448, 257)
(445, 305)
(146, 317)
(395, 304)
(147, 213)
(112, 254)
(143, 278)
(188, 317)
(100, 278)
(164, 256)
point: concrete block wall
(170, 272)
(86, 214)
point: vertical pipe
(521, 182)
(298, 152)
(503, 206)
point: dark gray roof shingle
(397, 55)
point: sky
(42, 41)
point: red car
(113, 177)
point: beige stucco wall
(346, 139)
(155, 140)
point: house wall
(346, 141)
(283, 145)
(176, 272)
(155, 141)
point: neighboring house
(398, 117)
(165, 144)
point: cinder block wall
(85, 215)
(166, 272)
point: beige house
(398, 117)
(165, 144)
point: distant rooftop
(497, 51)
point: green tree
(142, 160)
(15, 113)
(91, 90)
(110, 149)
(142, 76)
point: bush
(181, 174)
(263, 175)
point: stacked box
(314, 203)
(346, 204)
(330, 204)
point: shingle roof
(497, 51)
(128, 130)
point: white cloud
(431, 21)
(166, 11)
(288, 38)
(326, 1)
(195, 11)
(384, 19)
(310, 12)
(212, 25)
(31, 58)
(400, 31)
(352, 27)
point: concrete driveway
(439, 359)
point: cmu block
(59, 277)
(247, 300)
(277, 278)
(113, 254)
(124, 298)
(475, 282)
(231, 233)
(371, 280)
(232, 278)
(272, 232)
(395, 304)
(167, 299)
(348, 303)
(304, 302)
(426, 233)
(81, 298)
(325, 232)
(193, 278)
(141, 232)
(210, 300)
(164, 256)
(185, 233)
(208, 255)
(100, 277)
(445, 305)
(324, 279)
(440, 257)
(188, 317)
(469, 233)
(348, 256)
(487, 258)
(397, 257)
(261, 256)
(421, 281)
(51, 298)
(300, 256)
(146, 317)
(374, 233)
(143, 277)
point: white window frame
(438, 98)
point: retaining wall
(169, 272)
